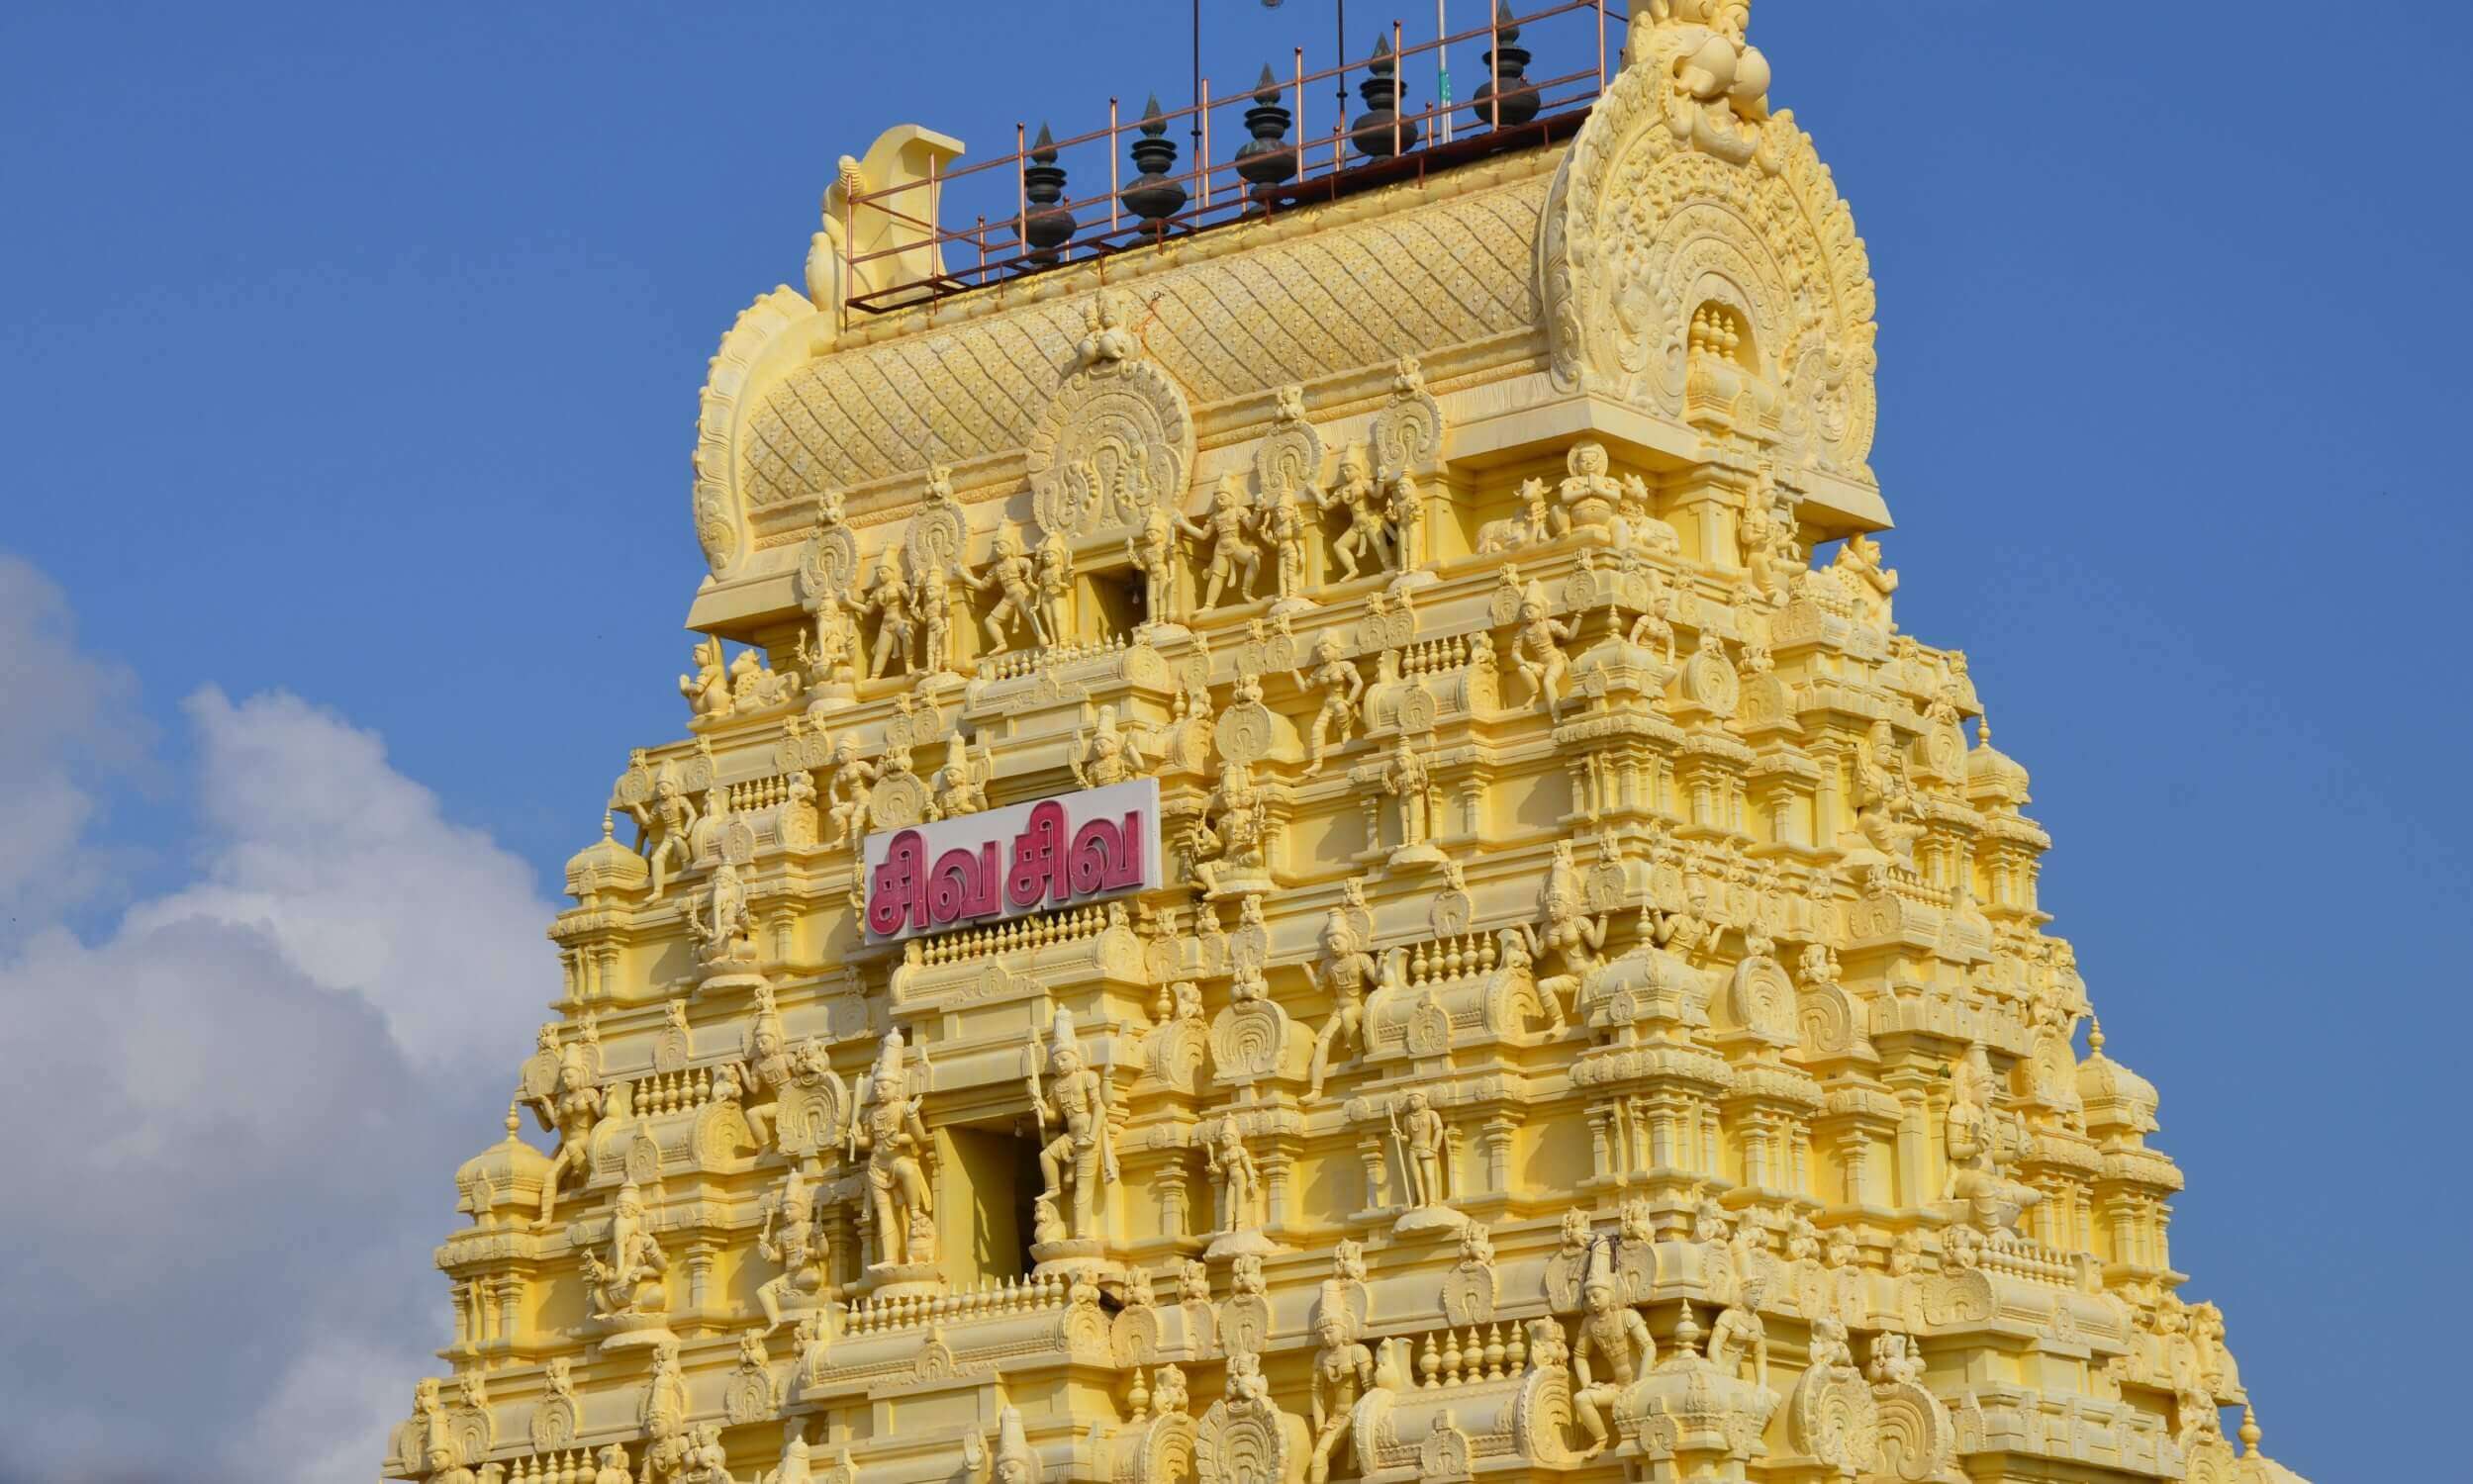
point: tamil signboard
(1003, 863)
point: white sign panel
(1004, 863)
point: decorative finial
(2249, 1432)
(1047, 226)
(513, 1122)
(2095, 1036)
(1266, 160)
(605, 824)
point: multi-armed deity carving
(627, 1285)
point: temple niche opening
(1305, 847)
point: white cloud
(238, 1115)
(65, 720)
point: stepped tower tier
(1305, 845)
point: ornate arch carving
(1668, 201)
(1115, 440)
(761, 334)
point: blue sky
(350, 353)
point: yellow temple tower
(1306, 848)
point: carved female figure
(1282, 524)
(1056, 583)
(1342, 689)
(1228, 1158)
(1571, 937)
(889, 599)
(1739, 1335)
(573, 1111)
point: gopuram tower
(1306, 848)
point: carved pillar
(1497, 1146)
(1914, 1142)
(1600, 1148)
(1371, 1152)
(701, 1292)
(1279, 1164)
(510, 1288)
(1168, 1190)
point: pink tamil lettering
(1037, 868)
(962, 886)
(897, 892)
(1106, 856)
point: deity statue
(1013, 578)
(1153, 552)
(1225, 1154)
(960, 787)
(1104, 339)
(828, 649)
(722, 922)
(1111, 754)
(1343, 971)
(1282, 523)
(888, 597)
(846, 796)
(1868, 582)
(1343, 1369)
(1573, 938)
(1368, 533)
(1343, 690)
(1403, 508)
(1619, 1338)
(665, 829)
(1233, 846)
(1885, 808)
(1079, 1156)
(1421, 1143)
(1739, 1335)
(630, 1280)
(1055, 559)
(1537, 650)
(613, 1470)
(1407, 779)
(789, 1237)
(885, 1130)
(571, 1110)
(935, 605)
(1233, 555)
(707, 690)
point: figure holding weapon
(1079, 1156)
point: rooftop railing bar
(1282, 164)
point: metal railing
(1275, 169)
